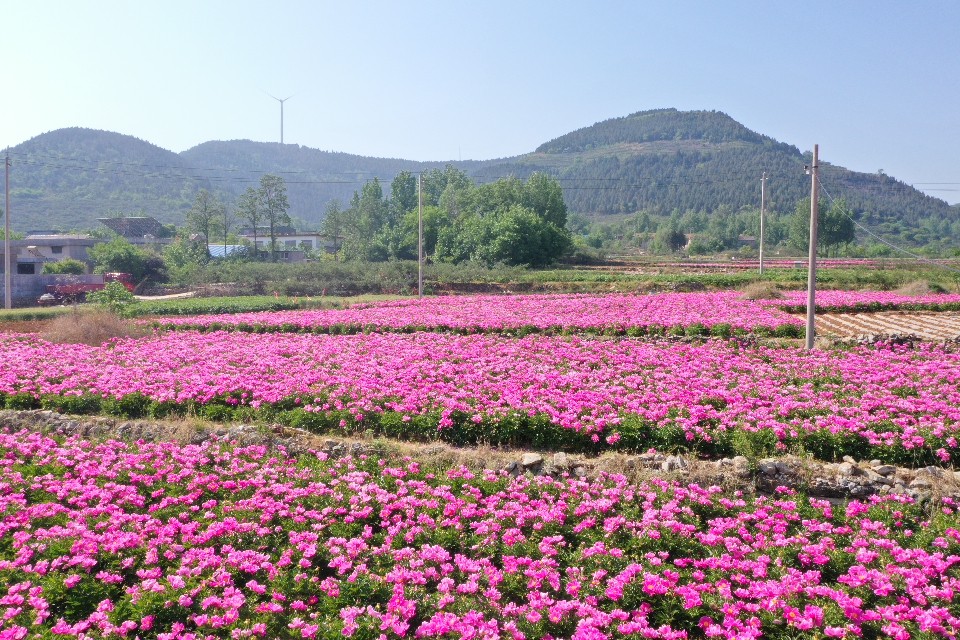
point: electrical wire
(919, 258)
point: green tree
(118, 255)
(248, 210)
(67, 266)
(206, 215)
(403, 194)
(835, 226)
(542, 195)
(334, 225)
(366, 218)
(272, 200)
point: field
(219, 540)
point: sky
(875, 84)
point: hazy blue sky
(876, 84)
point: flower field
(581, 313)
(581, 393)
(112, 540)
(720, 313)
(851, 301)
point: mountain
(68, 178)
(666, 159)
(661, 160)
(313, 177)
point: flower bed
(896, 403)
(720, 312)
(168, 541)
(852, 301)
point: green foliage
(114, 297)
(67, 266)
(118, 255)
(835, 226)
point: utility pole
(420, 236)
(812, 268)
(763, 201)
(7, 277)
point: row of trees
(263, 206)
(508, 221)
(700, 233)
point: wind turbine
(281, 101)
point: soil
(926, 325)
(24, 326)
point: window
(26, 269)
(290, 244)
(56, 249)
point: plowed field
(929, 325)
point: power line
(882, 240)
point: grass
(90, 326)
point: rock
(885, 469)
(876, 478)
(561, 462)
(531, 460)
(921, 483)
(767, 467)
(848, 469)
(514, 468)
(850, 460)
(673, 463)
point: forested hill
(313, 177)
(68, 178)
(661, 160)
(666, 159)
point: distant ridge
(659, 160)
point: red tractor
(77, 291)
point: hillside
(313, 177)
(659, 160)
(68, 178)
(667, 159)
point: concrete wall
(26, 289)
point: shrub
(761, 291)
(114, 297)
(90, 326)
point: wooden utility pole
(420, 236)
(7, 277)
(812, 267)
(763, 200)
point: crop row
(721, 314)
(895, 403)
(168, 541)
(838, 301)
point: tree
(205, 215)
(118, 255)
(67, 266)
(333, 225)
(272, 199)
(834, 225)
(542, 195)
(248, 210)
(403, 194)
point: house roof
(133, 227)
(225, 251)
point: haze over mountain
(660, 160)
